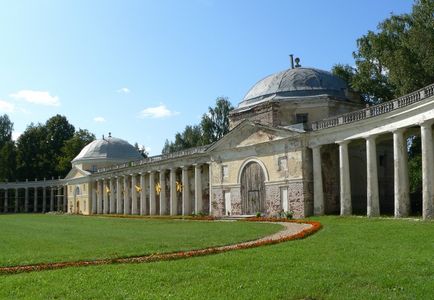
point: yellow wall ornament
(158, 188)
(179, 186)
(107, 190)
(138, 189)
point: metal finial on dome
(110, 134)
(297, 62)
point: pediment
(76, 173)
(249, 133)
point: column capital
(372, 137)
(185, 167)
(315, 147)
(426, 123)
(399, 130)
(344, 142)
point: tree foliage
(7, 149)
(42, 151)
(71, 148)
(396, 59)
(212, 127)
(393, 61)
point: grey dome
(109, 149)
(297, 82)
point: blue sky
(143, 70)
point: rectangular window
(301, 118)
(282, 163)
(284, 198)
(225, 172)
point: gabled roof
(247, 130)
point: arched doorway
(252, 189)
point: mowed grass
(28, 239)
(350, 258)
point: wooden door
(252, 189)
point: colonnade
(36, 197)
(401, 176)
(150, 193)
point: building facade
(300, 141)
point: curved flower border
(315, 226)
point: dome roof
(108, 149)
(295, 83)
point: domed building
(300, 142)
(99, 154)
(105, 152)
(296, 96)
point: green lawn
(350, 258)
(26, 239)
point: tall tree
(33, 158)
(7, 150)
(396, 59)
(6, 128)
(213, 126)
(71, 148)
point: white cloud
(16, 135)
(148, 149)
(37, 97)
(123, 90)
(6, 107)
(160, 111)
(99, 119)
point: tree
(215, 124)
(71, 148)
(212, 127)
(33, 158)
(6, 128)
(141, 149)
(397, 59)
(8, 161)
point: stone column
(134, 207)
(16, 200)
(210, 187)
(163, 200)
(112, 197)
(427, 170)
(65, 198)
(35, 198)
(94, 188)
(51, 198)
(127, 200)
(142, 194)
(99, 199)
(318, 192)
(26, 199)
(5, 208)
(373, 200)
(173, 193)
(198, 202)
(58, 198)
(106, 193)
(345, 182)
(119, 206)
(186, 207)
(44, 199)
(152, 200)
(401, 186)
